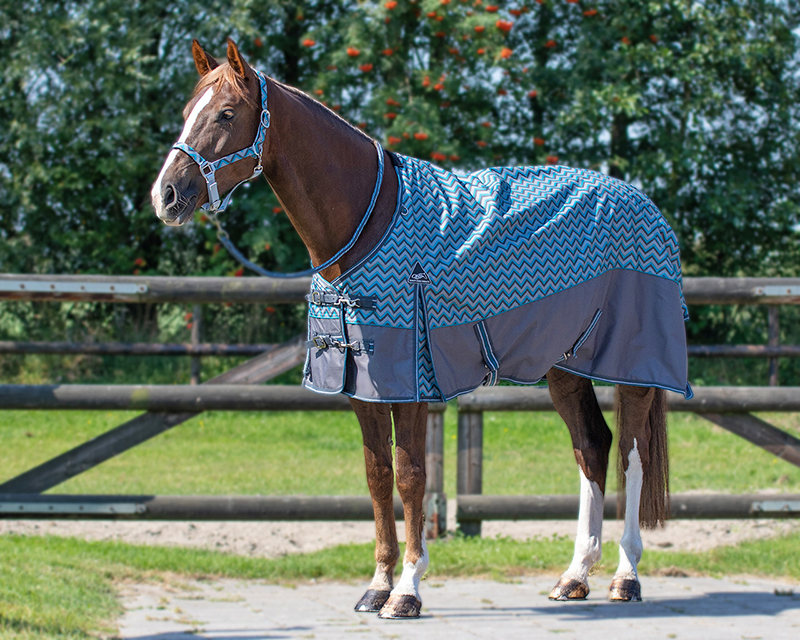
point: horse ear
(203, 61)
(236, 60)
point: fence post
(197, 321)
(435, 498)
(470, 462)
(773, 339)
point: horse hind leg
(376, 428)
(576, 403)
(411, 421)
(644, 474)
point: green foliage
(696, 103)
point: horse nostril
(170, 197)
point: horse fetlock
(383, 580)
(412, 574)
(379, 589)
(404, 601)
(588, 552)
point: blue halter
(209, 168)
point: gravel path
(685, 608)
(674, 607)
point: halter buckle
(265, 118)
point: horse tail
(654, 506)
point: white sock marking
(155, 193)
(588, 541)
(630, 546)
(412, 574)
(383, 578)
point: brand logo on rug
(418, 276)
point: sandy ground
(273, 539)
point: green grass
(64, 588)
(317, 453)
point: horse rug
(502, 274)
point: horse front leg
(576, 403)
(410, 426)
(376, 429)
(644, 463)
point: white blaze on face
(588, 541)
(155, 193)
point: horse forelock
(224, 75)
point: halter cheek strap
(209, 168)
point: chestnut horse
(323, 172)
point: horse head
(216, 150)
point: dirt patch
(274, 539)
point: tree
(694, 102)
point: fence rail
(172, 398)
(148, 507)
(240, 349)
(706, 400)
(727, 407)
(134, 348)
(154, 289)
(475, 508)
(237, 389)
(773, 291)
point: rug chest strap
(328, 341)
(323, 299)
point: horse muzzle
(172, 207)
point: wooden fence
(727, 407)
(166, 407)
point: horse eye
(227, 114)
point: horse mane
(322, 109)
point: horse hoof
(405, 606)
(625, 590)
(372, 600)
(569, 589)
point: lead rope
(225, 239)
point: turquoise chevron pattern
(426, 378)
(318, 283)
(485, 243)
(500, 238)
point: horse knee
(411, 478)
(380, 479)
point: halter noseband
(208, 169)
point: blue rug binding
(499, 275)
